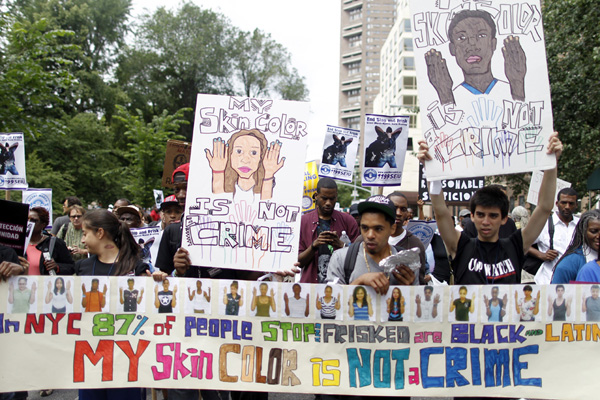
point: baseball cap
(354, 209)
(181, 173)
(131, 209)
(169, 200)
(380, 203)
(464, 213)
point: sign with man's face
(483, 86)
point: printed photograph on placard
(197, 296)
(22, 293)
(329, 302)
(166, 296)
(295, 300)
(362, 305)
(395, 304)
(12, 162)
(244, 193)
(131, 294)
(231, 297)
(58, 294)
(590, 303)
(429, 303)
(483, 84)
(95, 293)
(560, 303)
(463, 304)
(527, 301)
(263, 299)
(339, 153)
(496, 303)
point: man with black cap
(377, 222)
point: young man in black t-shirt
(488, 259)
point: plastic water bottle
(345, 239)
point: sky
(309, 29)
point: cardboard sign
(244, 193)
(534, 187)
(177, 153)
(483, 86)
(384, 150)
(459, 190)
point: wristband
(268, 179)
(218, 172)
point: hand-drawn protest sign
(418, 341)
(483, 86)
(13, 225)
(177, 153)
(536, 182)
(12, 162)
(39, 198)
(247, 214)
(384, 150)
(459, 190)
(339, 153)
(311, 179)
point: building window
(409, 82)
(355, 14)
(407, 25)
(353, 96)
(412, 121)
(409, 63)
(409, 101)
(408, 44)
(354, 41)
(409, 144)
(354, 68)
(353, 123)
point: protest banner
(483, 86)
(158, 197)
(39, 198)
(12, 162)
(311, 179)
(459, 190)
(13, 225)
(149, 240)
(536, 182)
(339, 153)
(177, 153)
(384, 150)
(452, 348)
(252, 151)
(424, 230)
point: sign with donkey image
(483, 86)
(339, 153)
(384, 149)
(244, 194)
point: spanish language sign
(12, 162)
(339, 153)
(13, 225)
(384, 149)
(259, 336)
(245, 187)
(483, 86)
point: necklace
(367, 261)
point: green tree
(573, 48)
(145, 151)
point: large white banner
(483, 86)
(339, 153)
(12, 162)
(504, 341)
(244, 193)
(384, 149)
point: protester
(120, 203)
(320, 231)
(553, 241)
(506, 229)
(9, 263)
(402, 239)
(487, 258)
(42, 246)
(582, 249)
(72, 233)
(590, 272)
(68, 202)
(131, 215)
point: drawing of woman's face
(245, 155)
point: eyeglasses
(75, 216)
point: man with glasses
(402, 239)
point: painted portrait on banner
(384, 149)
(245, 187)
(339, 153)
(483, 86)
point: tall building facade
(365, 26)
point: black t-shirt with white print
(483, 263)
